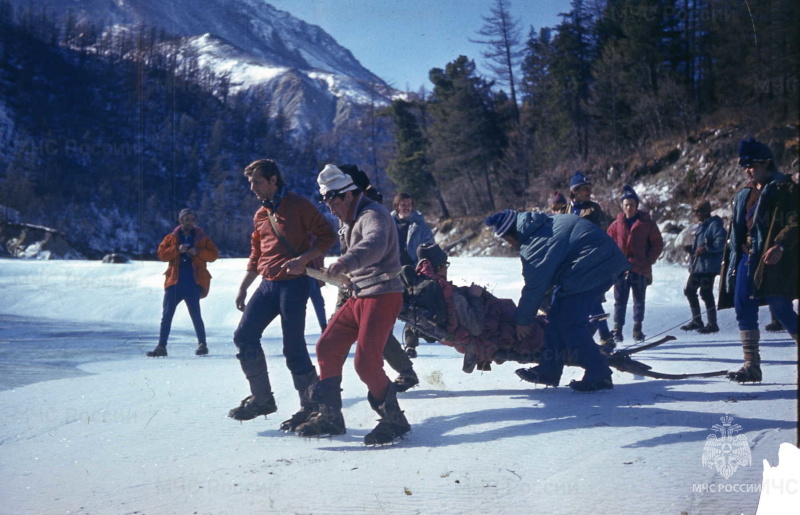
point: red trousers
(368, 321)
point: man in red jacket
(187, 250)
(280, 250)
(638, 237)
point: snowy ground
(90, 425)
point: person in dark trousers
(187, 250)
(640, 241)
(412, 231)
(761, 256)
(577, 258)
(370, 261)
(704, 264)
(581, 204)
(397, 358)
(280, 250)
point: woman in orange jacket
(187, 250)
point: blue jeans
(272, 298)
(622, 290)
(188, 292)
(568, 336)
(747, 307)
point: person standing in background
(638, 237)
(412, 231)
(187, 250)
(704, 265)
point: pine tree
(503, 51)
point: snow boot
(392, 424)
(711, 327)
(406, 380)
(617, 333)
(695, 325)
(638, 335)
(159, 352)
(535, 375)
(261, 400)
(774, 326)
(751, 370)
(591, 385)
(327, 420)
(410, 341)
(302, 383)
(202, 349)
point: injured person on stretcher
(468, 318)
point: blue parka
(565, 251)
(418, 233)
(710, 234)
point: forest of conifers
(114, 134)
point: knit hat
(628, 192)
(332, 181)
(751, 151)
(557, 198)
(501, 222)
(185, 211)
(433, 253)
(578, 180)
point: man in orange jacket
(187, 250)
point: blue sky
(401, 40)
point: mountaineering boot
(159, 352)
(711, 326)
(751, 370)
(302, 383)
(591, 385)
(774, 326)
(697, 321)
(607, 348)
(638, 335)
(392, 424)
(327, 420)
(535, 375)
(695, 325)
(261, 401)
(617, 332)
(202, 349)
(410, 341)
(406, 380)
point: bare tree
(503, 48)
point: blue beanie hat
(628, 192)
(751, 151)
(501, 222)
(578, 180)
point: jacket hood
(530, 222)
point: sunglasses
(748, 163)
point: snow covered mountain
(305, 72)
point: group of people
(757, 259)
(570, 257)
(289, 234)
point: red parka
(206, 253)
(641, 242)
